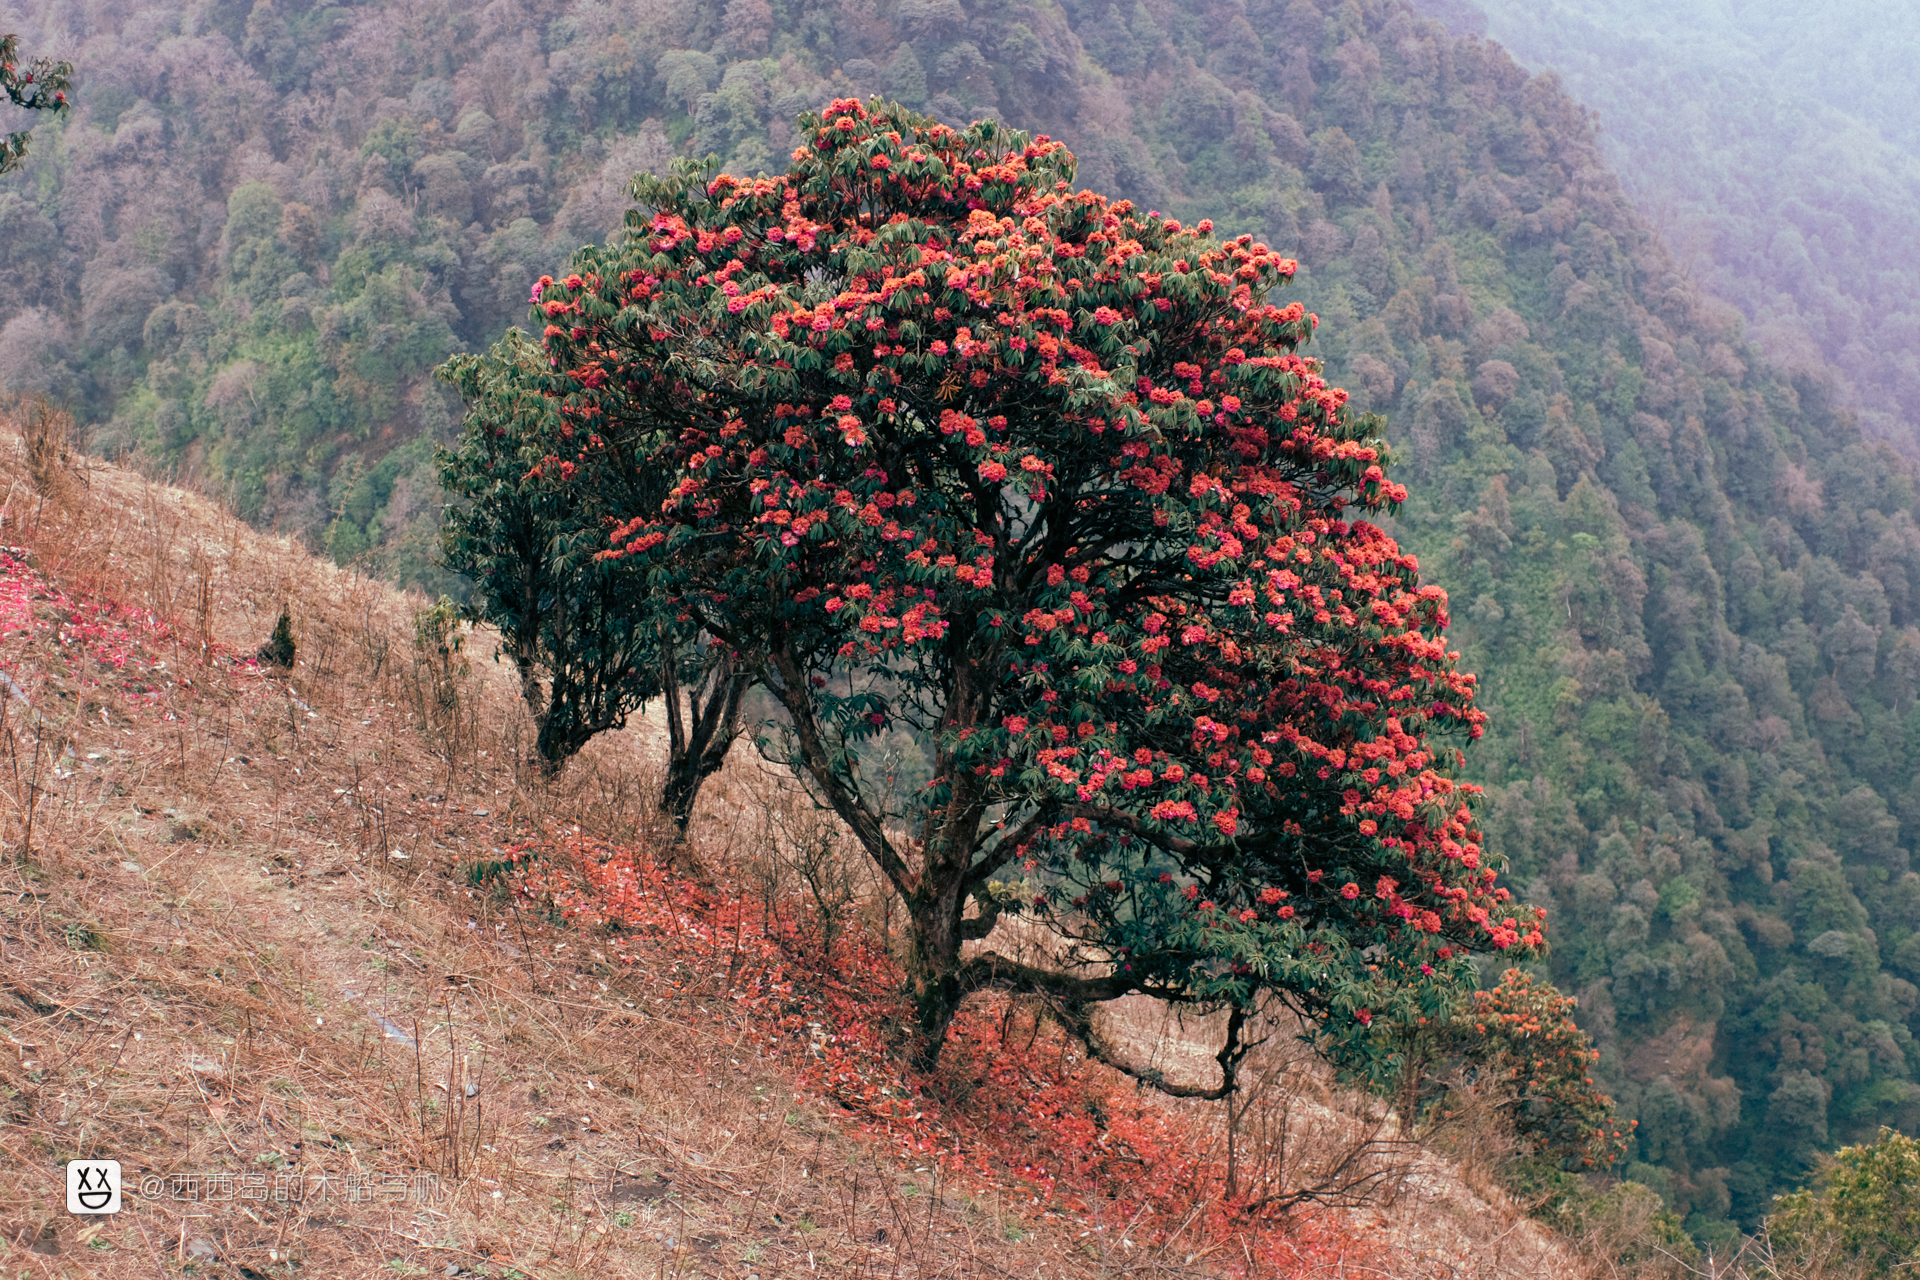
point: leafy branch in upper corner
(41, 86)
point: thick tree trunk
(679, 792)
(933, 966)
(936, 905)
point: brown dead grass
(1301, 1137)
(242, 940)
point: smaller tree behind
(1517, 1045)
(42, 86)
(586, 636)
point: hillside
(1698, 103)
(1691, 584)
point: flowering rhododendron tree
(40, 86)
(1043, 476)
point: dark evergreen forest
(1690, 582)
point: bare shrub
(24, 785)
(48, 433)
(1290, 1141)
(610, 790)
(809, 846)
(437, 684)
(1289, 1135)
(1472, 1124)
(1626, 1234)
(46, 493)
(1820, 1257)
(202, 590)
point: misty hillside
(1690, 583)
(1780, 156)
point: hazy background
(1777, 147)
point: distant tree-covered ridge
(1690, 584)
(1699, 104)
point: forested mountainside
(1780, 155)
(1690, 584)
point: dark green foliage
(525, 532)
(530, 509)
(279, 649)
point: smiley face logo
(93, 1186)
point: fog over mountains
(1778, 150)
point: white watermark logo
(93, 1186)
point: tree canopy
(1043, 475)
(589, 642)
(1820, 256)
(1864, 1210)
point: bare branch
(842, 796)
(1350, 1182)
(991, 971)
(973, 928)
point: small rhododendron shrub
(1044, 477)
(1522, 1031)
